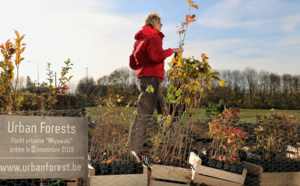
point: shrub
(59, 101)
(275, 132)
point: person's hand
(178, 50)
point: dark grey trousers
(146, 105)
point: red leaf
(65, 88)
(110, 160)
(7, 44)
(189, 19)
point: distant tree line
(245, 89)
(258, 90)
(248, 88)
(120, 83)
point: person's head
(154, 20)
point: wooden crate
(162, 175)
(72, 181)
(91, 171)
(273, 178)
(212, 176)
(293, 152)
(122, 179)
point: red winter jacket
(148, 55)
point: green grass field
(246, 115)
(250, 114)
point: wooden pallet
(162, 175)
(122, 179)
(273, 178)
(212, 176)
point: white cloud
(274, 54)
(291, 22)
(255, 14)
(99, 41)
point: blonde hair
(153, 19)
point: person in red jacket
(147, 59)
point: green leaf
(178, 99)
(171, 99)
(150, 89)
(168, 95)
(188, 69)
(178, 92)
(195, 87)
(188, 100)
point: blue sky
(98, 34)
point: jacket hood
(146, 31)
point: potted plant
(223, 153)
(108, 152)
(277, 134)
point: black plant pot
(129, 168)
(122, 169)
(219, 165)
(288, 167)
(104, 169)
(203, 156)
(279, 168)
(139, 168)
(115, 169)
(233, 168)
(226, 167)
(266, 167)
(296, 167)
(242, 155)
(240, 169)
(212, 163)
(109, 169)
(134, 167)
(97, 168)
(205, 162)
(274, 167)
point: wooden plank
(162, 183)
(280, 178)
(273, 178)
(145, 170)
(293, 152)
(221, 174)
(252, 168)
(213, 181)
(171, 173)
(123, 179)
(72, 184)
(71, 181)
(91, 171)
(195, 161)
(244, 174)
